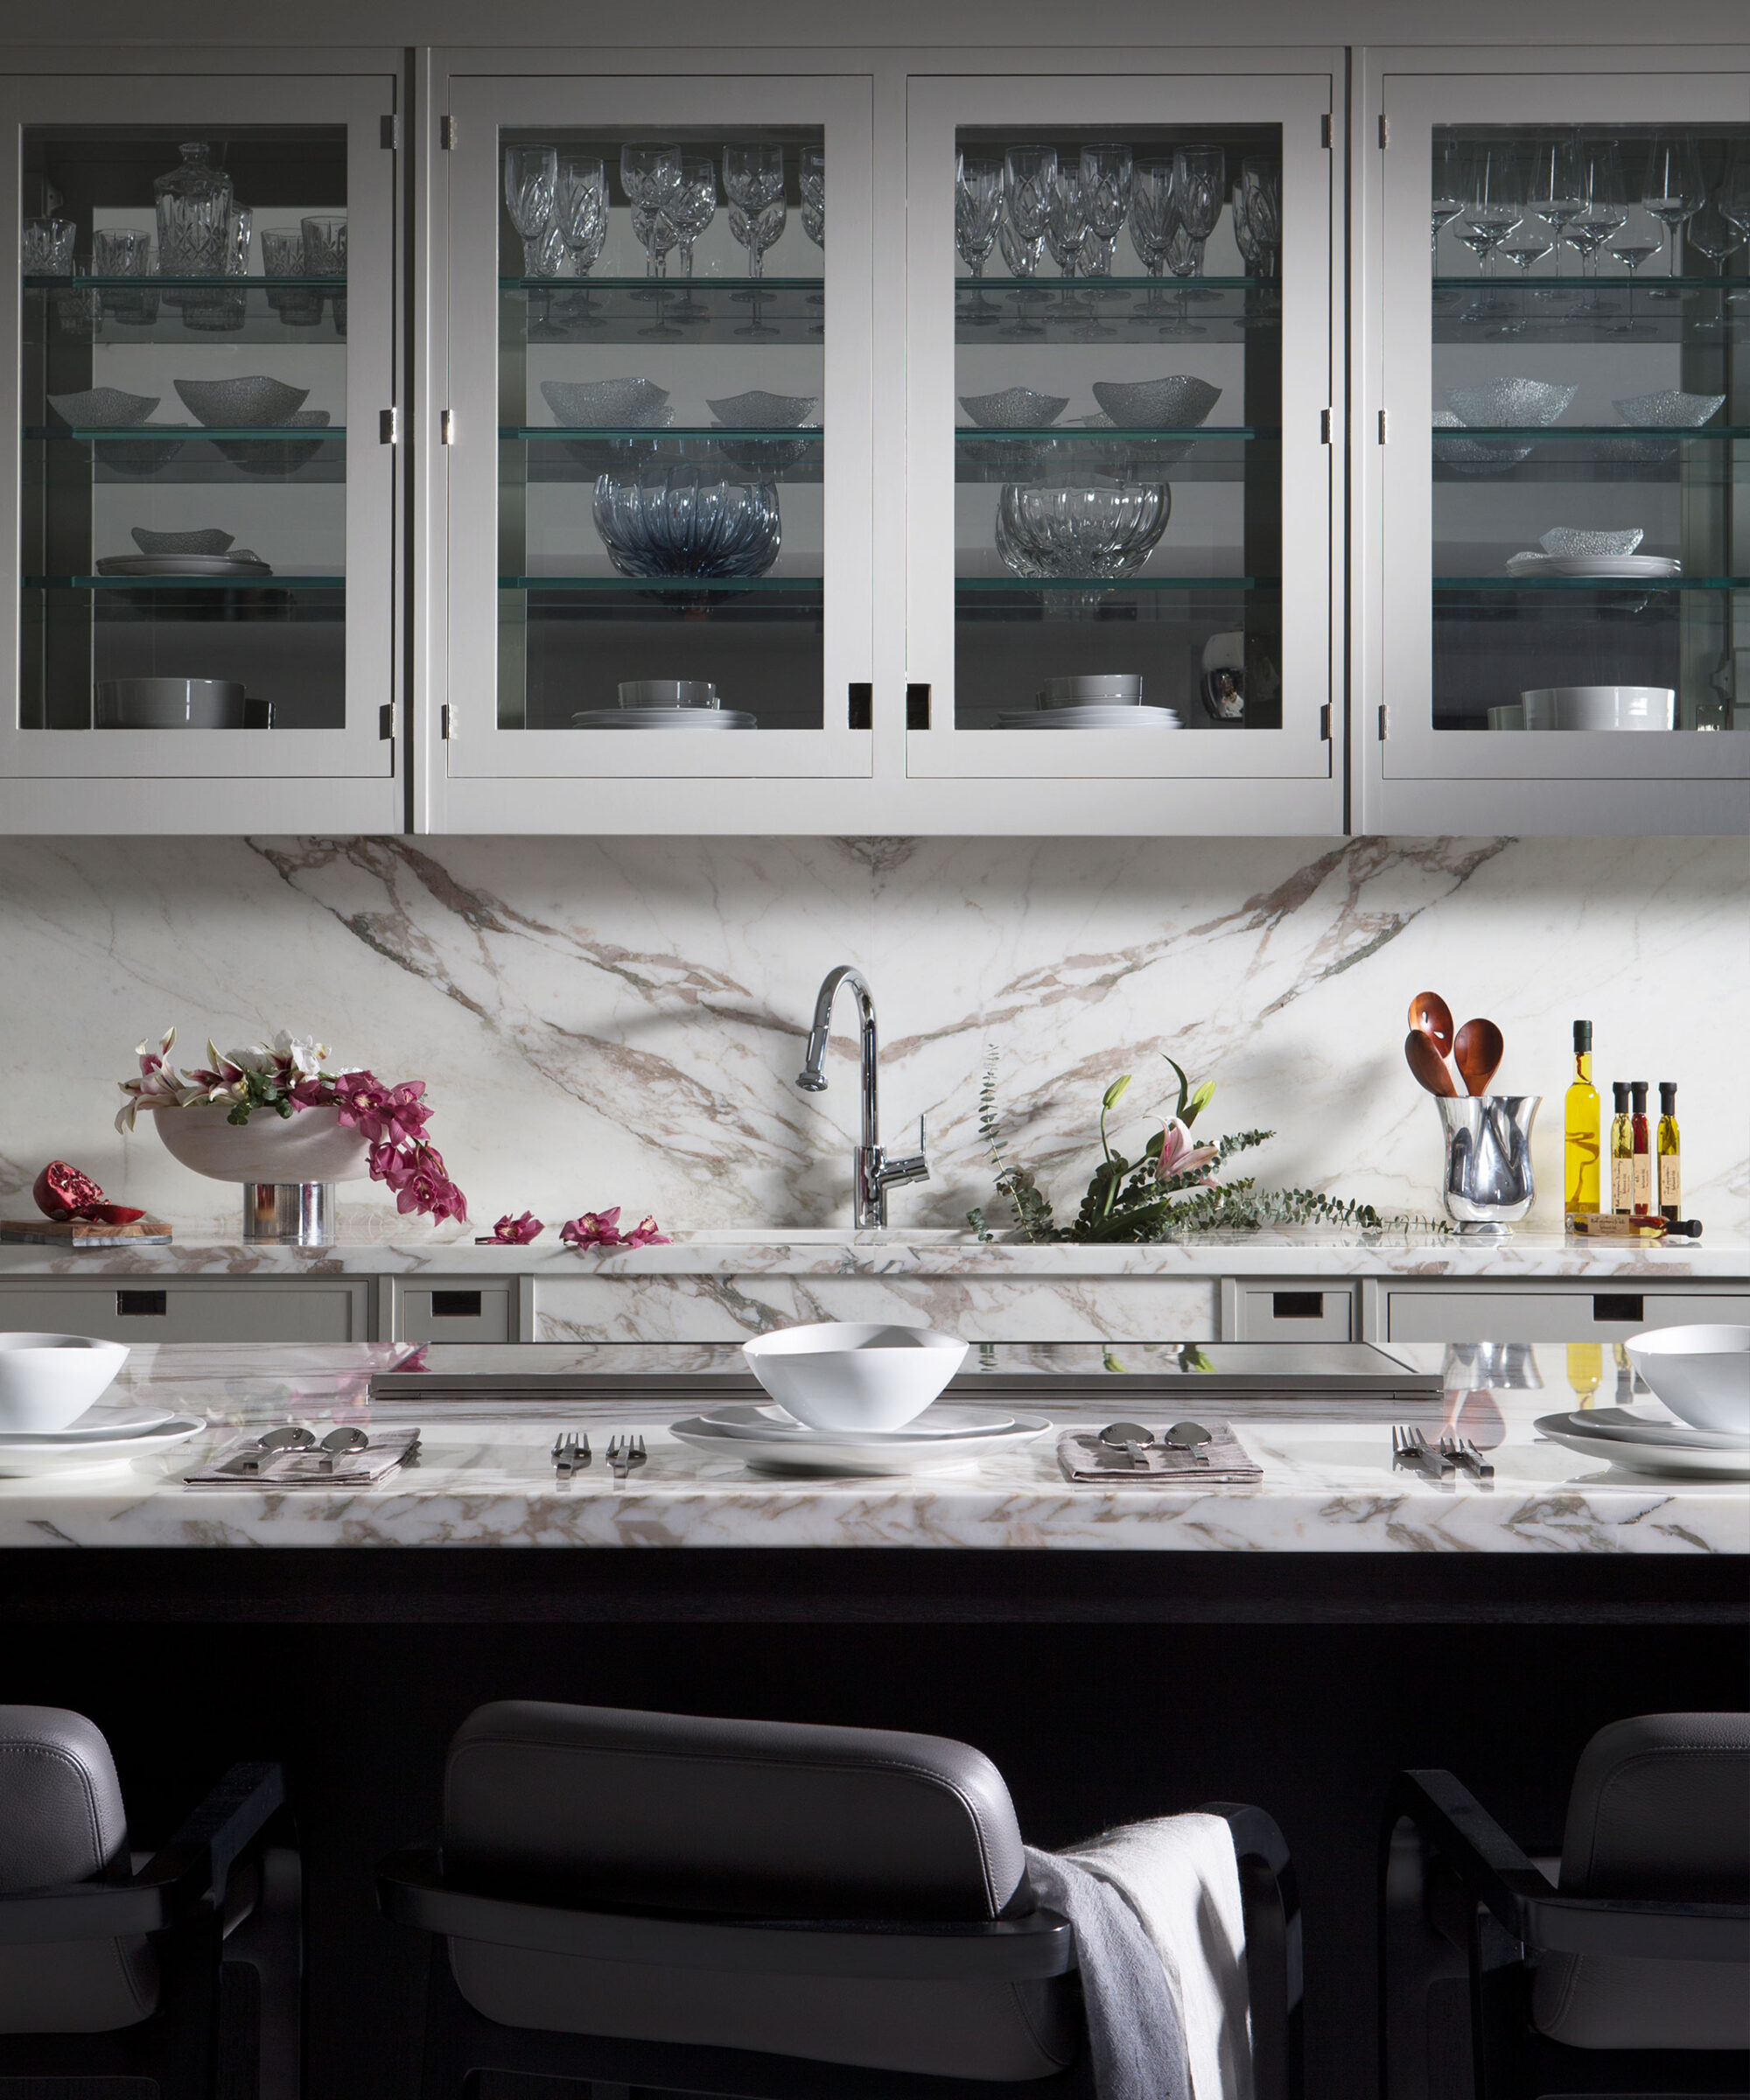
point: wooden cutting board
(81, 1232)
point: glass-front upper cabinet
(659, 440)
(1566, 512)
(205, 543)
(1121, 322)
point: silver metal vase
(1485, 1174)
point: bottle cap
(1668, 1096)
(1619, 1089)
(1637, 1088)
(1582, 1036)
(1688, 1228)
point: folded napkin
(244, 1464)
(1083, 1457)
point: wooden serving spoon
(1479, 1048)
(1430, 1016)
(1425, 1061)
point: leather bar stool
(1631, 1974)
(759, 1909)
(118, 1965)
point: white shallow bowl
(1701, 1373)
(1600, 707)
(854, 1376)
(47, 1380)
(310, 1146)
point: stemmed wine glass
(1715, 237)
(1556, 190)
(1106, 200)
(754, 182)
(580, 209)
(651, 175)
(1524, 251)
(1673, 190)
(1066, 230)
(1028, 173)
(531, 181)
(689, 212)
(1261, 186)
(1200, 176)
(1448, 200)
(1152, 218)
(978, 214)
(1491, 208)
(811, 183)
(1606, 214)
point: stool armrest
(84, 1910)
(221, 1830)
(1494, 1873)
(412, 1890)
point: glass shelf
(85, 310)
(1010, 585)
(1632, 586)
(637, 311)
(693, 586)
(184, 583)
(1608, 311)
(645, 434)
(994, 310)
(277, 433)
(1203, 454)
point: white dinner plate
(682, 718)
(181, 565)
(764, 1422)
(53, 1456)
(97, 1422)
(1624, 1426)
(1658, 1461)
(1628, 566)
(1092, 717)
(822, 1454)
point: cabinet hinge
(388, 426)
(1384, 429)
(446, 134)
(1325, 723)
(1385, 132)
(446, 722)
(1324, 426)
(391, 135)
(1325, 129)
(385, 722)
(1381, 722)
(446, 427)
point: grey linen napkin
(1083, 1457)
(388, 1449)
(1135, 2040)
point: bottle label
(1643, 1184)
(1621, 1184)
(1670, 1183)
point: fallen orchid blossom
(601, 1229)
(513, 1232)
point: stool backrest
(1660, 1809)
(61, 1818)
(596, 1805)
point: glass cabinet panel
(678, 396)
(1582, 499)
(1121, 522)
(193, 540)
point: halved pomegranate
(62, 1191)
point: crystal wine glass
(1021, 258)
(1065, 221)
(1607, 212)
(754, 182)
(651, 175)
(978, 214)
(531, 180)
(580, 224)
(1673, 190)
(1556, 190)
(1028, 174)
(1733, 198)
(1448, 198)
(1261, 183)
(1106, 173)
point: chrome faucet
(872, 1173)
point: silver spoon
(350, 1438)
(1131, 1438)
(1189, 1436)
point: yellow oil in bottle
(1585, 1370)
(1579, 1177)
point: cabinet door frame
(1408, 776)
(214, 781)
(622, 93)
(1148, 88)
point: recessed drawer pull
(142, 1304)
(455, 1304)
(1297, 1305)
(1618, 1304)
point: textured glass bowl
(675, 521)
(1014, 409)
(1567, 541)
(1510, 404)
(1177, 403)
(253, 403)
(103, 408)
(1471, 455)
(209, 539)
(755, 411)
(599, 404)
(1102, 530)
(1671, 410)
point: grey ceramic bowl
(252, 403)
(758, 411)
(1565, 540)
(1671, 410)
(1014, 409)
(103, 408)
(600, 404)
(207, 540)
(667, 692)
(1179, 402)
(1510, 404)
(168, 704)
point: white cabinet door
(1559, 507)
(658, 459)
(205, 306)
(1119, 476)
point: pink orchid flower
(645, 1234)
(518, 1232)
(593, 1229)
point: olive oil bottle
(1580, 1155)
(1641, 1153)
(1671, 1151)
(1622, 1152)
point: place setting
(51, 1420)
(855, 1398)
(1701, 1375)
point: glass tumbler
(325, 256)
(126, 252)
(282, 257)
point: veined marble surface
(485, 1478)
(621, 1021)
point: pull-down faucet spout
(872, 1173)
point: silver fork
(1410, 1447)
(570, 1451)
(624, 1454)
(1459, 1450)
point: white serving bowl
(47, 1380)
(1600, 707)
(1701, 1373)
(311, 1145)
(851, 1375)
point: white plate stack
(768, 1439)
(1650, 1443)
(106, 1436)
(1111, 700)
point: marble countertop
(485, 1478)
(1523, 1256)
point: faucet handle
(915, 1168)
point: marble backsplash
(621, 1021)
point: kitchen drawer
(1451, 1313)
(459, 1311)
(144, 1309)
(1289, 1312)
